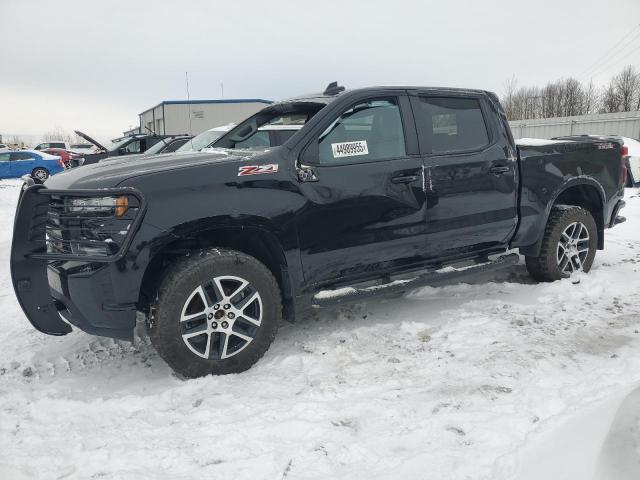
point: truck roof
(328, 98)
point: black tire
(545, 268)
(629, 182)
(179, 285)
(40, 174)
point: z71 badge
(257, 169)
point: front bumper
(55, 293)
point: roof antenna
(333, 89)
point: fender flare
(533, 250)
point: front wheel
(568, 246)
(40, 174)
(217, 312)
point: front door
(366, 212)
(4, 165)
(22, 163)
(470, 175)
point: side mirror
(122, 151)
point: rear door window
(371, 131)
(21, 156)
(454, 124)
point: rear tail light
(60, 162)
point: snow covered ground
(482, 381)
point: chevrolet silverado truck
(382, 190)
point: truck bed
(547, 167)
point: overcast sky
(94, 65)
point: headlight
(117, 206)
(90, 226)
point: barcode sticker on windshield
(349, 149)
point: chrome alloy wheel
(573, 248)
(220, 318)
(40, 174)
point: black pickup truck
(382, 190)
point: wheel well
(257, 242)
(587, 197)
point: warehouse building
(175, 117)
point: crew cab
(382, 189)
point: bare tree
(510, 87)
(569, 97)
(627, 85)
(610, 99)
(591, 98)
(58, 133)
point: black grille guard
(29, 257)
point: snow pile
(455, 382)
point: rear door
(470, 174)
(365, 205)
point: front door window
(368, 131)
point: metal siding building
(174, 117)
(626, 124)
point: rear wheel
(569, 245)
(216, 312)
(40, 174)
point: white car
(4, 148)
(266, 136)
(204, 139)
(633, 161)
(74, 148)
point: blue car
(29, 162)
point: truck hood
(90, 140)
(110, 174)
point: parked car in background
(204, 139)
(53, 144)
(165, 145)
(168, 145)
(83, 148)
(132, 145)
(266, 136)
(69, 158)
(69, 147)
(40, 165)
(633, 161)
(4, 148)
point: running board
(328, 298)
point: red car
(66, 156)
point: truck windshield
(277, 115)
